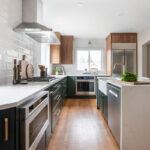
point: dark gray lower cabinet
(71, 86)
(7, 129)
(58, 93)
(64, 90)
(103, 104)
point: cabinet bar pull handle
(6, 129)
(113, 93)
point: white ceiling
(97, 18)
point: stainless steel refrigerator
(123, 60)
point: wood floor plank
(81, 127)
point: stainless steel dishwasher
(114, 106)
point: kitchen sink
(102, 83)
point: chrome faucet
(120, 64)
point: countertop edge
(15, 104)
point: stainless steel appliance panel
(34, 120)
(114, 106)
(118, 58)
(85, 85)
(130, 60)
(123, 57)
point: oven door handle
(38, 110)
(85, 81)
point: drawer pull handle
(6, 129)
(113, 93)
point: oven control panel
(85, 78)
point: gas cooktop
(42, 79)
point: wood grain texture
(55, 51)
(81, 127)
(66, 49)
(55, 54)
(124, 37)
(109, 55)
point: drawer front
(55, 101)
(55, 115)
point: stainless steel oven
(34, 120)
(85, 85)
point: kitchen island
(134, 114)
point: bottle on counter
(15, 72)
(18, 73)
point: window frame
(89, 50)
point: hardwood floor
(81, 127)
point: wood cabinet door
(55, 54)
(55, 51)
(124, 37)
(66, 49)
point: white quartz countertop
(96, 75)
(14, 95)
(115, 81)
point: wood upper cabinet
(112, 40)
(67, 49)
(123, 37)
(108, 55)
(55, 51)
(63, 53)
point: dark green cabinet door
(71, 86)
(104, 105)
(64, 90)
(7, 129)
(105, 100)
(98, 99)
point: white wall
(14, 45)
(79, 44)
(143, 39)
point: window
(82, 60)
(87, 59)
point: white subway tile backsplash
(26, 51)
(9, 66)
(9, 59)
(12, 53)
(13, 45)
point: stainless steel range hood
(32, 25)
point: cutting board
(30, 71)
(135, 83)
(23, 67)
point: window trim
(89, 50)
